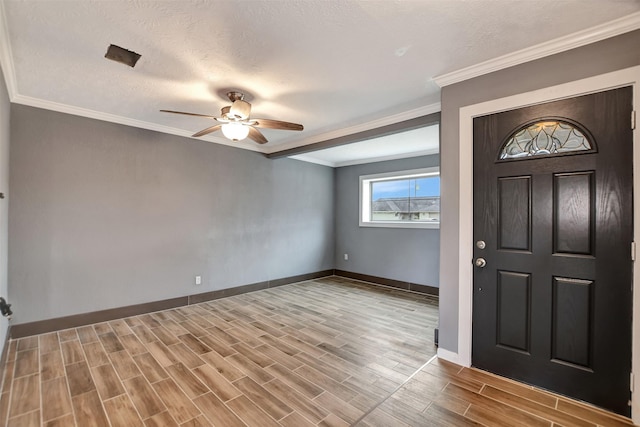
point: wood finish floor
(329, 352)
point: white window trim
(365, 194)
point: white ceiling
(336, 66)
(416, 142)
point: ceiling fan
(236, 124)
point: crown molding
(6, 56)
(384, 121)
(8, 70)
(112, 118)
(106, 117)
(581, 38)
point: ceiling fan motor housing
(240, 110)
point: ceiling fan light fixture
(235, 131)
(236, 124)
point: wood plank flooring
(328, 352)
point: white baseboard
(450, 356)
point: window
(550, 137)
(405, 199)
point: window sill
(380, 224)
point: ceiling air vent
(121, 55)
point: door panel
(573, 213)
(552, 306)
(572, 322)
(513, 310)
(514, 213)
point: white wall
(4, 203)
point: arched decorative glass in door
(547, 137)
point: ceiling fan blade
(257, 136)
(207, 130)
(276, 124)
(188, 114)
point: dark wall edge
(3, 358)
(407, 286)
(56, 324)
(213, 295)
(22, 330)
(49, 325)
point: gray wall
(4, 203)
(105, 215)
(406, 254)
(609, 55)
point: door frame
(625, 77)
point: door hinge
(633, 251)
(633, 119)
(631, 385)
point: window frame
(365, 198)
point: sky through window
(420, 187)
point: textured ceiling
(332, 65)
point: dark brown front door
(553, 205)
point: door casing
(615, 79)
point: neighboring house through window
(405, 199)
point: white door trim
(626, 77)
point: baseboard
(3, 358)
(301, 278)
(449, 356)
(229, 292)
(56, 324)
(222, 293)
(76, 320)
(407, 286)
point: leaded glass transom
(545, 138)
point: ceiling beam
(407, 125)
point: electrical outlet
(198, 280)
(346, 257)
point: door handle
(480, 262)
